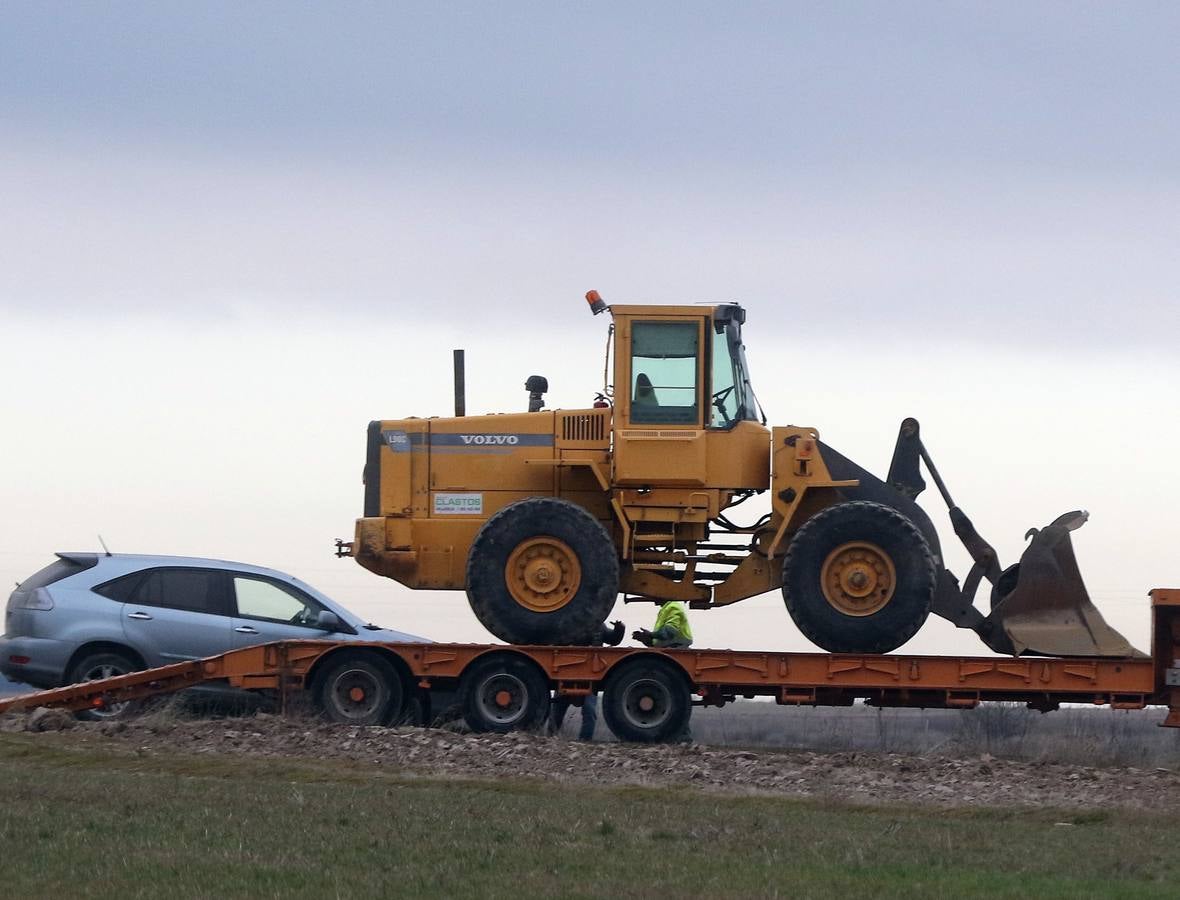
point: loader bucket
(1042, 604)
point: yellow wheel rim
(543, 574)
(858, 578)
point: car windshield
(733, 398)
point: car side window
(122, 589)
(194, 590)
(262, 599)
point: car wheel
(106, 664)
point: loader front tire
(542, 571)
(859, 577)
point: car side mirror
(326, 620)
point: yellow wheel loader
(545, 516)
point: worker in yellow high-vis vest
(671, 628)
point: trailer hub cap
(858, 578)
(356, 695)
(647, 703)
(543, 574)
(502, 698)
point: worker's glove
(643, 636)
(614, 635)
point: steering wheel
(719, 403)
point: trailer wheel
(542, 571)
(106, 664)
(859, 578)
(647, 700)
(359, 689)
(504, 693)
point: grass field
(101, 823)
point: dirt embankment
(847, 777)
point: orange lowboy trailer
(647, 694)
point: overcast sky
(232, 234)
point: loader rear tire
(859, 577)
(542, 571)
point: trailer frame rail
(714, 677)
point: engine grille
(584, 428)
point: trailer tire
(542, 571)
(104, 664)
(859, 577)
(504, 693)
(647, 700)
(359, 688)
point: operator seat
(645, 395)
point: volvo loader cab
(688, 417)
(544, 517)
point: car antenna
(104, 546)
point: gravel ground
(847, 777)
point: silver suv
(90, 615)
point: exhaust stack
(460, 386)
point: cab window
(664, 365)
(260, 599)
(726, 406)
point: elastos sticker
(458, 504)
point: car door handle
(138, 615)
(246, 629)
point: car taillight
(20, 660)
(37, 599)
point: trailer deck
(647, 693)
